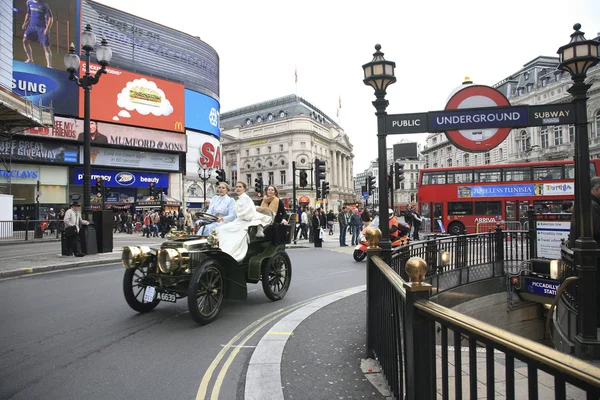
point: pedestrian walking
(73, 223)
(304, 224)
(343, 223)
(416, 218)
(355, 226)
(316, 228)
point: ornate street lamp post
(379, 74)
(204, 173)
(577, 58)
(103, 55)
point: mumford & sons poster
(48, 152)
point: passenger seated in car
(273, 202)
(221, 206)
(233, 237)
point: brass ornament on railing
(373, 237)
(416, 269)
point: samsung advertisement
(202, 113)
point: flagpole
(296, 78)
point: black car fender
(235, 276)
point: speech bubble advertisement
(145, 97)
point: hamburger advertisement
(123, 97)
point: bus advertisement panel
(461, 199)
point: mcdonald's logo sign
(179, 126)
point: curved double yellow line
(257, 325)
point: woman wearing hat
(73, 222)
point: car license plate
(168, 297)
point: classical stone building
(262, 140)
(538, 82)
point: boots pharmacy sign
(479, 118)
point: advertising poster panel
(36, 83)
(133, 159)
(120, 135)
(203, 151)
(44, 30)
(29, 150)
(202, 113)
(153, 49)
(124, 178)
(128, 98)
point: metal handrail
(395, 280)
(559, 292)
(545, 357)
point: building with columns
(264, 139)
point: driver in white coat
(221, 206)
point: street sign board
(481, 137)
(406, 123)
(478, 120)
(366, 196)
(552, 114)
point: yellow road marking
(213, 365)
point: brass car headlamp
(213, 240)
(134, 256)
(170, 260)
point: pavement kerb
(23, 241)
(263, 377)
(57, 267)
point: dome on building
(466, 82)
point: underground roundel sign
(480, 139)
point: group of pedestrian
(413, 219)
(123, 222)
(155, 223)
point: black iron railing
(490, 254)
(401, 336)
(29, 229)
(569, 296)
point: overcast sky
(434, 43)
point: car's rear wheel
(134, 290)
(359, 255)
(277, 276)
(206, 292)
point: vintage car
(195, 267)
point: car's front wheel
(206, 292)
(277, 276)
(134, 290)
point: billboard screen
(30, 150)
(43, 31)
(202, 113)
(127, 98)
(406, 151)
(132, 159)
(152, 49)
(47, 85)
(111, 134)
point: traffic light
(370, 184)
(303, 179)
(107, 192)
(399, 174)
(99, 182)
(221, 175)
(258, 185)
(319, 172)
(324, 189)
(152, 189)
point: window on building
(466, 160)
(268, 149)
(487, 158)
(280, 147)
(449, 161)
(524, 142)
(247, 153)
(435, 165)
(282, 177)
(412, 185)
(435, 154)
(434, 140)
(234, 176)
(571, 133)
(258, 150)
(544, 138)
(449, 149)
(500, 154)
(597, 123)
(271, 179)
(249, 179)
(402, 185)
(558, 137)
(259, 176)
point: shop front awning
(17, 112)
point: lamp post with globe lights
(379, 74)
(72, 63)
(577, 57)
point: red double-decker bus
(461, 198)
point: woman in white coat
(233, 237)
